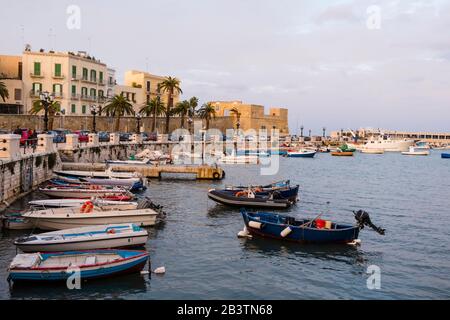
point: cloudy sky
(332, 63)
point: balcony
(87, 80)
(35, 93)
(75, 96)
(58, 95)
(88, 98)
(75, 77)
(101, 82)
(36, 75)
(54, 76)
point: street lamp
(324, 131)
(94, 112)
(138, 123)
(301, 131)
(46, 101)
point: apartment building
(11, 77)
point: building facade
(251, 116)
(11, 77)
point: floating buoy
(286, 232)
(255, 225)
(160, 270)
(356, 242)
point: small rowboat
(86, 238)
(247, 198)
(287, 228)
(60, 266)
(342, 154)
(67, 203)
(301, 154)
(108, 174)
(83, 193)
(417, 151)
(131, 182)
(445, 155)
(280, 190)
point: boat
(16, 222)
(256, 153)
(342, 154)
(279, 152)
(346, 148)
(85, 238)
(64, 182)
(445, 155)
(248, 198)
(67, 203)
(64, 218)
(388, 145)
(316, 230)
(57, 266)
(301, 154)
(372, 151)
(107, 174)
(271, 186)
(130, 182)
(236, 159)
(281, 190)
(83, 193)
(416, 151)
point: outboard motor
(363, 219)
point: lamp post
(324, 131)
(310, 133)
(94, 112)
(138, 123)
(46, 101)
(301, 131)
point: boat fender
(285, 232)
(244, 233)
(216, 176)
(255, 225)
(160, 270)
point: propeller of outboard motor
(363, 219)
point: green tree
(182, 109)
(154, 108)
(4, 94)
(117, 107)
(236, 112)
(53, 108)
(171, 86)
(207, 112)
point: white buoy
(356, 242)
(160, 270)
(255, 225)
(286, 232)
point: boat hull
(88, 272)
(234, 201)
(301, 234)
(445, 155)
(81, 193)
(301, 154)
(342, 154)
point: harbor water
(204, 259)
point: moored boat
(68, 203)
(280, 190)
(85, 238)
(16, 222)
(342, 154)
(417, 151)
(301, 154)
(248, 198)
(60, 266)
(108, 174)
(372, 151)
(288, 228)
(83, 193)
(445, 155)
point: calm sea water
(409, 196)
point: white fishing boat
(85, 238)
(83, 193)
(126, 182)
(107, 174)
(238, 159)
(64, 218)
(387, 144)
(68, 203)
(417, 151)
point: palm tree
(117, 107)
(153, 108)
(236, 112)
(193, 104)
(4, 94)
(207, 112)
(171, 86)
(182, 109)
(53, 108)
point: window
(101, 93)
(57, 70)
(74, 90)
(111, 82)
(73, 109)
(93, 92)
(74, 72)
(57, 88)
(93, 76)
(37, 87)
(17, 94)
(83, 109)
(100, 77)
(133, 97)
(148, 85)
(37, 69)
(84, 91)
(85, 74)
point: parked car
(125, 136)
(82, 135)
(56, 137)
(103, 136)
(62, 134)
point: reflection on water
(204, 259)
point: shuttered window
(37, 68)
(57, 70)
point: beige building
(11, 77)
(77, 81)
(252, 116)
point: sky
(334, 64)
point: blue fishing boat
(287, 228)
(91, 264)
(301, 154)
(445, 155)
